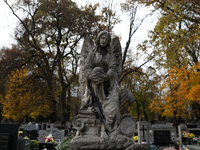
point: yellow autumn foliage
(180, 89)
(22, 99)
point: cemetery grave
(30, 131)
(189, 128)
(162, 135)
(8, 136)
(50, 129)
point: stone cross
(142, 126)
(50, 129)
(143, 129)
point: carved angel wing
(117, 50)
(87, 46)
(126, 98)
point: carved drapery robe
(104, 97)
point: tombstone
(21, 143)
(33, 134)
(67, 132)
(162, 134)
(44, 126)
(57, 124)
(40, 126)
(30, 131)
(142, 131)
(181, 128)
(191, 125)
(192, 128)
(29, 127)
(8, 136)
(57, 134)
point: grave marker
(192, 128)
(142, 131)
(29, 127)
(57, 134)
(5, 141)
(162, 138)
(161, 134)
(8, 136)
(30, 131)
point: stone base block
(87, 142)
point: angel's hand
(100, 78)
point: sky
(8, 23)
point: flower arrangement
(20, 133)
(33, 144)
(135, 138)
(49, 138)
(188, 135)
(27, 138)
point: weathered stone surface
(126, 99)
(135, 147)
(94, 142)
(127, 125)
(98, 124)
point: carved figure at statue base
(100, 123)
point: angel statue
(100, 70)
(102, 89)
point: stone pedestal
(88, 136)
(86, 123)
(94, 142)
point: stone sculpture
(100, 123)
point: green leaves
(173, 35)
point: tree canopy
(175, 38)
(175, 44)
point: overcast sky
(8, 23)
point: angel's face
(103, 40)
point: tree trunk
(68, 104)
(52, 100)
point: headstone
(30, 131)
(29, 127)
(67, 132)
(8, 136)
(5, 141)
(191, 125)
(21, 143)
(42, 134)
(57, 134)
(162, 138)
(57, 124)
(40, 126)
(192, 128)
(181, 128)
(44, 126)
(162, 134)
(50, 128)
(32, 134)
(142, 131)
